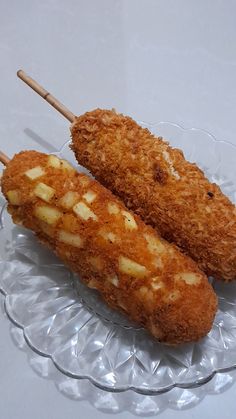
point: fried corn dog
(154, 180)
(111, 249)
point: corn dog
(111, 249)
(156, 182)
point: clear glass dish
(67, 322)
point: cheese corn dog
(112, 250)
(154, 180)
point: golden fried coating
(154, 180)
(111, 249)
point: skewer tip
(19, 73)
(4, 159)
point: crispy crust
(177, 312)
(156, 182)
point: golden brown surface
(156, 182)
(110, 248)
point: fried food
(112, 250)
(157, 183)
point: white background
(171, 60)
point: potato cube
(54, 161)
(157, 283)
(84, 212)
(93, 284)
(189, 278)
(72, 239)
(69, 199)
(172, 296)
(108, 235)
(157, 262)
(48, 214)
(14, 197)
(66, 166)
(132, 268)
(35, 172)
(154, 244)
(89, 196)
(44, 191)
(113, 280)
(113, 208)
(130, 222)
(146, 293)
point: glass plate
(67, 322)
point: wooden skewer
(46, 95)
(4, 159)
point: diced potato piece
(89, 196)
(111, 237)
(156, 283)
(57, 163)
(132, 268)
(72, 239)
(158, 262)
(189, 278)
(172, 296)
(96, 262)
(35, 173)
(113, 208)
(130, 222)
(154, 244)
(93, 284)
(48, 214)
(84, 212)
(157, 286)
(108, 235)
(69, 199)
(14, 197)
(44, 191)
(146, 293)
(113, 280)
(66, 166)
(54, 161)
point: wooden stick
(46, 95)
(4, 159)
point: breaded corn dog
(111, 249)
(154, 180)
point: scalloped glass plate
(67, 322)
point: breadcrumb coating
(157, 183)
(110, 248)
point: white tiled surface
(152, 59)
